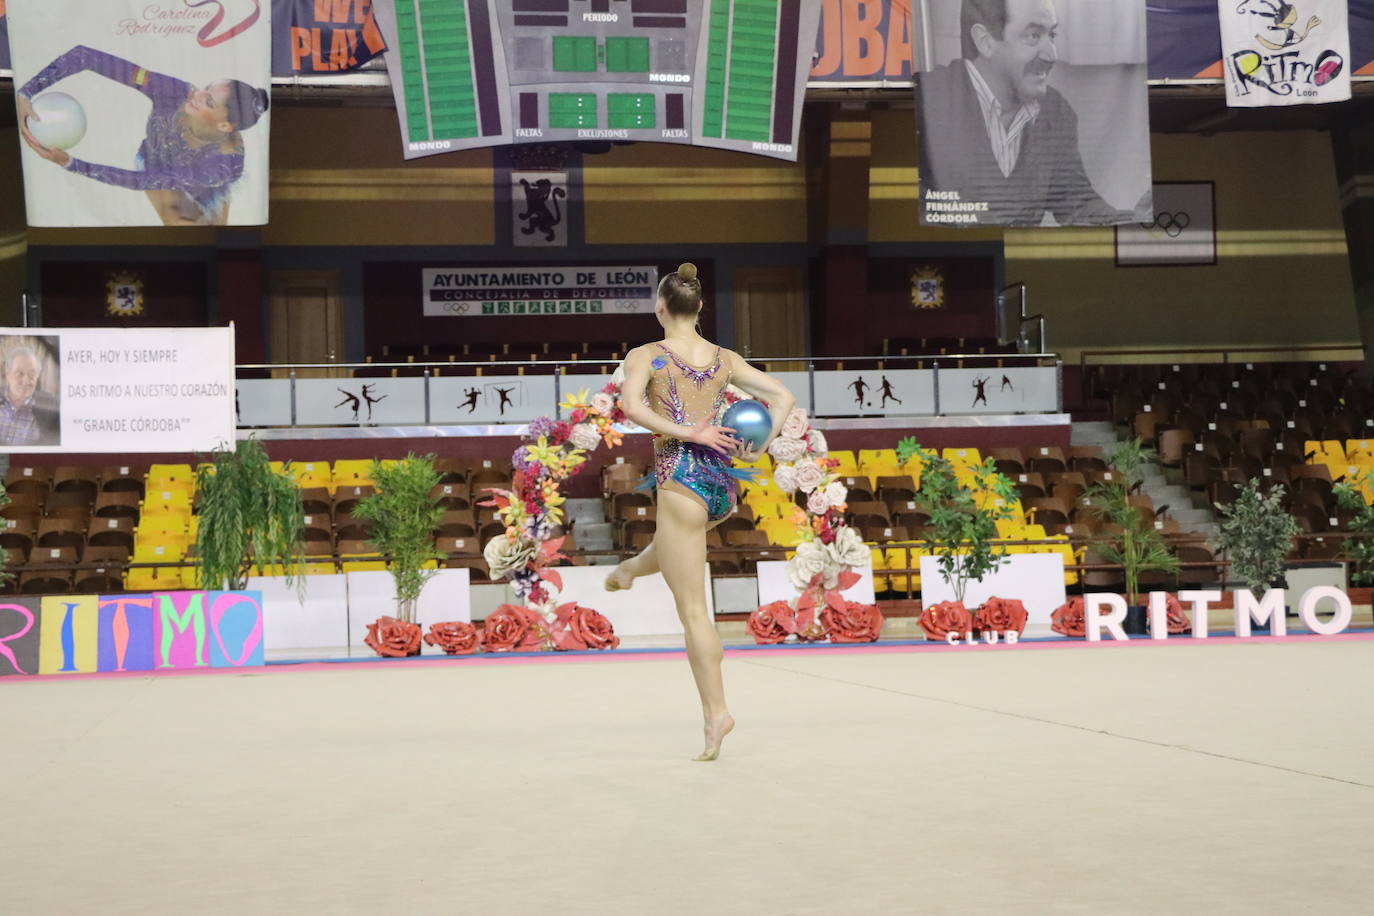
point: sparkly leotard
(685, 394)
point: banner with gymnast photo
(1032, 113)
(137, 113)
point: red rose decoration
(772, 623)
(1067, 619)
(454, 637)
(392, 638)
(1002, 615)
(946, 617)
(593, 629)
(857, 623)
(1178, 621)
(504, 629)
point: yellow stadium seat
(1360, 451)
(848, 466)
(154, 523)
(766, 509)
(363, 565)
(877, 456)
(165, 547)
(154, 579)
(1064, 548)
(170, 477)
(311, 475)
(352, 472)
(781, 532)
(964, 456)
(879, 562)
(1011, 530)
(897, 559)
(159, 502)
(320, 568)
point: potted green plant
(1137, 546)
(1350, 496)
(1256, 532)
(404, 513)
(250, 514)
(962, 528)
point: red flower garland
(1067, 619)
(393, 638)
(1001, 615)
(938, 620)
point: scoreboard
(722, 73)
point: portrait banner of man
(1032, 112)
(29, 412)
(138, 114)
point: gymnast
(675, 388)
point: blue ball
(751, 422)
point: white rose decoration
(837, 493)
(849, 550)
(603, 403)
(809, 475)
(787, 450)
(811, 558)
(506, 555)
(817, 504)
(815, 441)
(786, 478)
(796, 424)
(585, 436)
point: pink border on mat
(516, 658)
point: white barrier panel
(645, 610)
(1027, 389)
(799, 383)
(492, 398)
(875, 393)
(360, 401)
(460, 400)
(1034, 579)
(372, 594)
(775, 586)
(317, 621)
(263, 402)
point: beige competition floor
(1227, 778)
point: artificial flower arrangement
(823, 563)
(525, 553)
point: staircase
(592, 529)
(1161, 484)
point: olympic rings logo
(1171, 224)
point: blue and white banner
(143, 114)
(1277, 53)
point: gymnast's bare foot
(716, 730)
(619, 580)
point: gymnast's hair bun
(687, 272)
